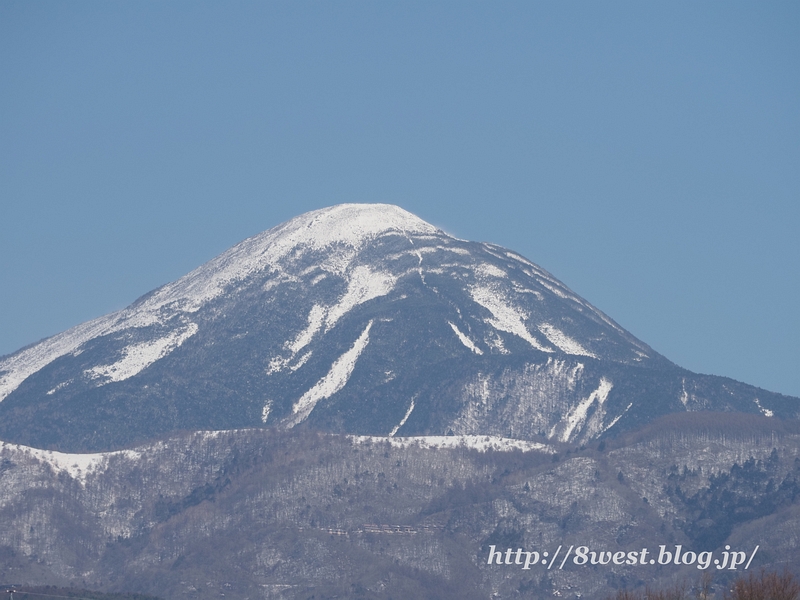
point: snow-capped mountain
(361, 319)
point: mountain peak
(361, 319)
(338, 231)
(349, 224)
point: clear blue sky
(647, 154)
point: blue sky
(647, 154)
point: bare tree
(765, 586)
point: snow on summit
(333, 237)
(345, 228)
(349, 224)
(359, 319)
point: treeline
(744, 493)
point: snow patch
(77, 466)
(140, 356)
(684, 394)
(18, 367)
(764, 411)
(419, 266)
(555, 289)
(489, 270)
(334, 381)
(300, 362)
(563, 341)
(418, 250)
(482, 443)
(496, 342)
(506, 317)
(364, 285)
(464, 339)
(577, 416)
(276, 364)
(462, 251)
(60, 386)
(403, 420)
(617, 418)
(315, 318)
(265, 411)
(523, 290)
(519, 258)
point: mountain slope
(298, 514)
(360, 319)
